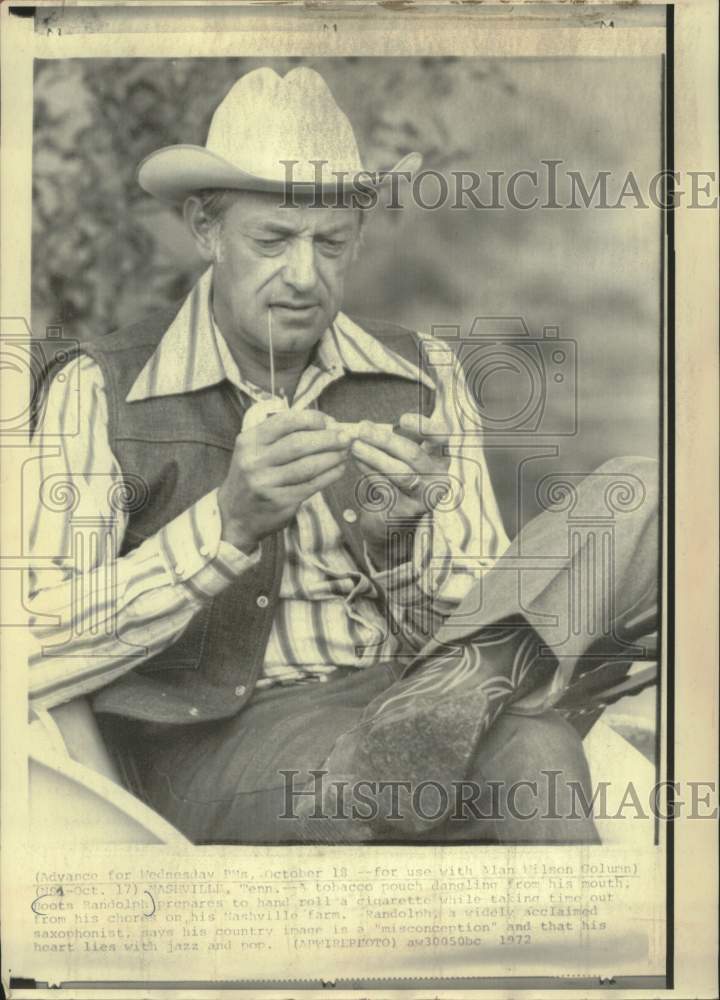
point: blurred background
(105, 253)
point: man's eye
(270, 244)
(332, 246)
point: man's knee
(535, 746)
(532, 773)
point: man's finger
(300, 444)
(409, 484)
(281, 424)
(380, 461)
(412, 485)
(301, 493)
(414, 456)
(398, 447)
(304, 470)
(432, 434)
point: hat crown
(266, 119)
(263, 123)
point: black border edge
(669, 245)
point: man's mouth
(297, 307)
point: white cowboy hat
(266, 119)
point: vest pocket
(186, 653)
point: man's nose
(300, 271)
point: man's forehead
(279, 212)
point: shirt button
(349, 515)
(194, 711)
(262, 601)
(240, 690)
(204, 551)
(178, 569)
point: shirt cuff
(192, 548)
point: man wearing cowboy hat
(304, 506)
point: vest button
(240, 690)
(349, 515)
(194, 711)
(262, 601)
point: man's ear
(203, 231)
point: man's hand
(411, 463)
(274, 468)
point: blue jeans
(242, 780)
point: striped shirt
(96, 617)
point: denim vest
(172, 451)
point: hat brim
(175, 172)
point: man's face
(288, 260)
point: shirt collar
(193, 354)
